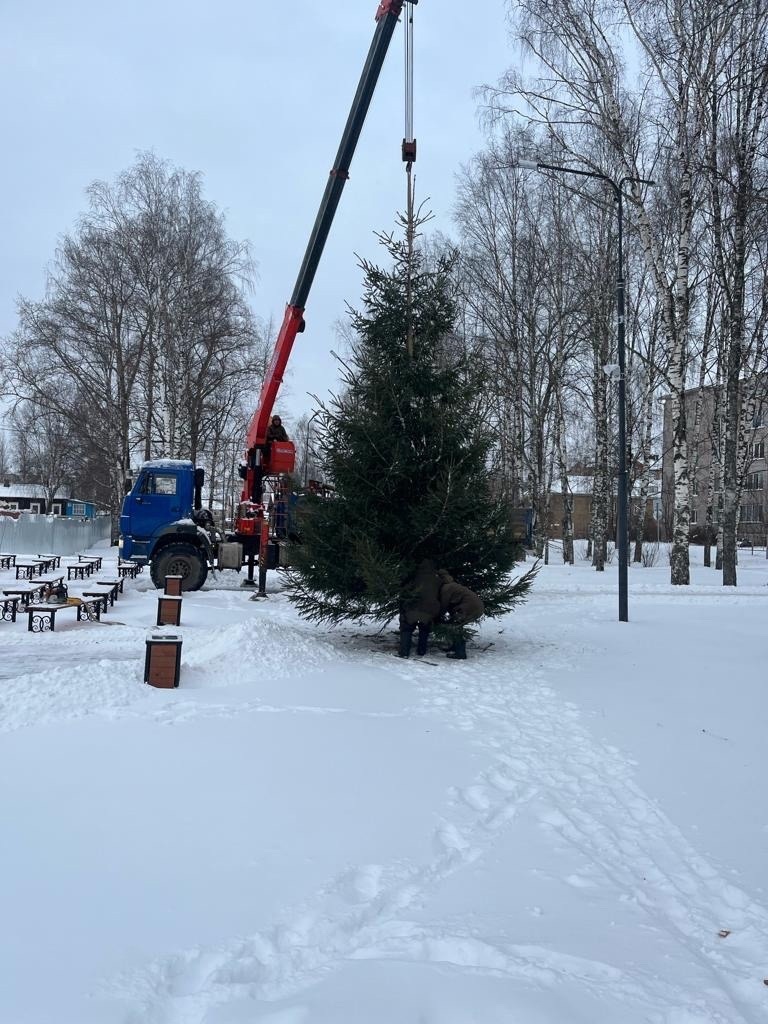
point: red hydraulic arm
(260, 460)
(293, 323)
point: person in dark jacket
(462, 606)
(276, 430)
(421, 610)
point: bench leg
(89, 611)
(41, 622)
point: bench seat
(31, 592)
(41, 618)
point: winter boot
(405, 643)
(458, 651)
(421, 646)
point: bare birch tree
(582, 97)
(736, 130)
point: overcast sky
(253, 94)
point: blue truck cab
(163, 524)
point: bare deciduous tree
(144, 332)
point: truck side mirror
(199, 481)
(128, 485)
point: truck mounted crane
(162, 520)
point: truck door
(158, 501)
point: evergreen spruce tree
(406, 445)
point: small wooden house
(18, 497)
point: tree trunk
(562, 465)
(730, 464)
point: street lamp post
(623, 502)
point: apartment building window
(754, 482)
(695, 486)
(758, 420)
(694, 516)
(757, 450)
(751, 514)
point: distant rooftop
(9, 490)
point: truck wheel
(183, 560)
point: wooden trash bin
(173, 585)
(162, 662)
(168, 610)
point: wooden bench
(95, 559)
(28, 570)
(8, 608)
(99, 595)
(52, 581)
(41, 618)
(112, 587)
(80, 571)
(46, 562)
(55, 560)
(26, 593)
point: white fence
(58, 535)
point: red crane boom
(264, 458)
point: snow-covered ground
(312, 831)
